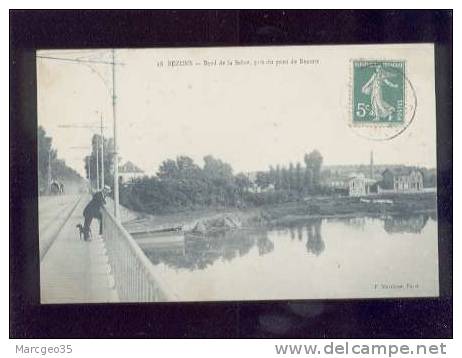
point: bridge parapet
(134, 275)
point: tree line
(297, 178)
(182, 184)
(47, 157)
(94, 161)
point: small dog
(82, 231)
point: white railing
(134, 275)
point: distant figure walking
(93, 211)
(55, 187)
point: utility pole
(97, 164)
(89, 171)
(116, 158)
(114, 98)
(102, 152)
(92, 127)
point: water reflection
(265, 246)
(308, 231)
(405, 224)
(357, 223)
(199, 252)
(315, 243)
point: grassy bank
(403, 204)
(347, 207)
(313, 207)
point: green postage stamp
(378, 92)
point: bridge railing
(134, 275)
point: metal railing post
(134, 275)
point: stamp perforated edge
(358, 124)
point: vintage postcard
(239, 173)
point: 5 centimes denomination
(383, 101)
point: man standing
(93, 211)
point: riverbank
(328, 207)
(288, 213)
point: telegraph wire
(75, 60)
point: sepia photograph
(237, 173)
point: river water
(319, 258)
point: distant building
(355, 180)
(359, 185)
(129, 171)
(402, 180)
(337, 182)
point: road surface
(71, 270)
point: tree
(263, 180)
(298, 178)
(272, 175)
(217, 168)
(307, 181)
(108, 149)
(326, 174)
(313, 162)
(242, 183)
(43, 150)
(219, 175)
(429, 177)
(285, 184)
(48, 158)
(185, 164)
(168, 169)
(277, 178)
(291, 175)
(64, 173)
(108, 146)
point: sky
(249, 115)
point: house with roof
(128, 172)
(360, 185)
(355, 181)
(402, 180)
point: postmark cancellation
(382, 99)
